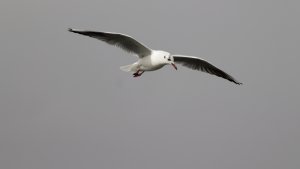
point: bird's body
(150, 60)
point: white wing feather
(125, 42)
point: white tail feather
(129, 68)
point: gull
(149, 59)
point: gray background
(66, 105)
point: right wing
(125, 42)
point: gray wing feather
(196, 63)
(123, 41)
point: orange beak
(175, 67)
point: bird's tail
(129, 68)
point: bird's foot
(138, 73)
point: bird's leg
(141, 73)
(138, 73)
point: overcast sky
(65, 104)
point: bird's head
(167, 58)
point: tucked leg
(138, 73)
(141, 72)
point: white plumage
(150, 60)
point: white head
(166, 58)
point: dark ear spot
(165, 57)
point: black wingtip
(76, 31)
(70, 30)
(238, 83)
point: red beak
(175, 67)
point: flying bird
(149, 59)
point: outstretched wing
(123, 41)
(196, 63)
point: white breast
(151, 62)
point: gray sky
(66, 105)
